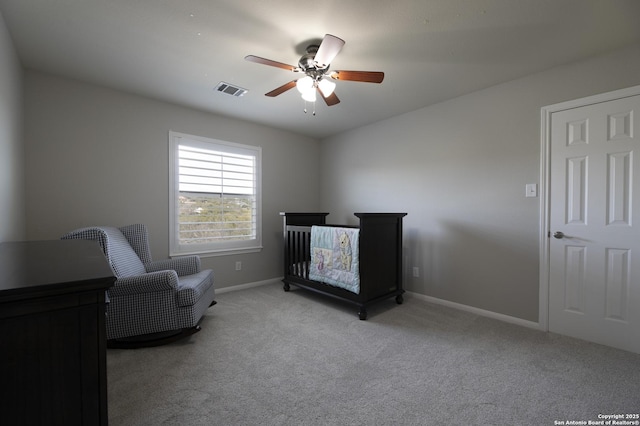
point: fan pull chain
(314, 108)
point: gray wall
(12, 204)
(459, 170)
(97, 156)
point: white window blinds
(216, 193)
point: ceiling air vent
(230, 89)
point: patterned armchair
(152, 302)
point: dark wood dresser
(52, 333)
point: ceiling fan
(315, 65)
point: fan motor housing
(308, 64)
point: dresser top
(41, 268)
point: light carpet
(266, 357)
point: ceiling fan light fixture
(326, 87)
(310, 95)
(305, 84)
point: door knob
(559, 235)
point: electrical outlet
(416, 272)
(238, 266)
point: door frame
(545, 185)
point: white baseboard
(477, 311)
(247, 285)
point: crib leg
(363, 313)
(399, 299)
(286, 287)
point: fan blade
(331, 100)
(329, 48)
(280, 90)
(364, 76)
(263, 61)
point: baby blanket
(335, 257)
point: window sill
(216, 253)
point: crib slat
(288, 253)
(299, 254)
(292, 252)
(305, 255)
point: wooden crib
(380, 246)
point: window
(214, 191)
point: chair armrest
(145, 283)
(185, 265)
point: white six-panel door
(594, 223)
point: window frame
(220, 248)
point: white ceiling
(429, 50)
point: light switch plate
(531, 190)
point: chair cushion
(192, 287)
(124, 260)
